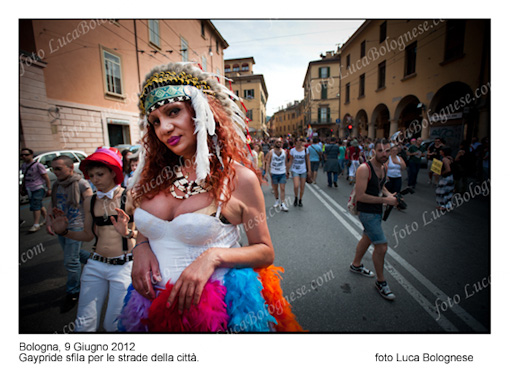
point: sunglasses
(57, 168)
(25, 155)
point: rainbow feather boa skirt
(247, 301)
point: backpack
(351, 203)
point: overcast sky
(282, 50)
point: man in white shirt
(276, 164)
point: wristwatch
(129, 235)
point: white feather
(204, 123)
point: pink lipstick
(172, 141)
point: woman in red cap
(108, 270)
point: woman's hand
(49, 224)
(121, 223)
(190, 285)
(145, 269)
(59, 221)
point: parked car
(132, 148)
(45, 159)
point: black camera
(401, 204)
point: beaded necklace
(183, 185)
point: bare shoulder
(246, 178)
(362, 170)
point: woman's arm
(250, 211)
(290, 159)
(145, 267)
(402, 163)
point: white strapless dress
(177, 243)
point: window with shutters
(249, 93)
(381, 76)
(382, 31)
(362, 85)
(324, 72)
(324, 90)
(324, 115)
(184, 50)
(154, 32)
(410, 62)
(454, 41)
(112, 73)
(204, 63)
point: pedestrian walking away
(299, 165)
(414, 154)
(276, 160)
(35, 178)
(67, 199)
(331, 165)
(108, 219)
(341, 156)
(371, 194)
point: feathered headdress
(176, 82)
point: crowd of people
(342, 157)
(378, 183)
(181, 267)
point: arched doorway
(408, 114)
(381, 121)
(348, 125)
(451, 118)
(361, 123)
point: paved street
(437, 266)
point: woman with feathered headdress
(193, 187)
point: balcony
(322, 121)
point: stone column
(371, 130)
(393, 127)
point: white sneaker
(277, 203)
(35, 227)
(284, 208)
(42, 222)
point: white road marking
(443, 322)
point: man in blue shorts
(370, 197)
(315, 152)
(276, 163)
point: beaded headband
(167, 86)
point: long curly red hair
(161, 163)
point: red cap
(110, 156)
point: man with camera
(371, 194)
